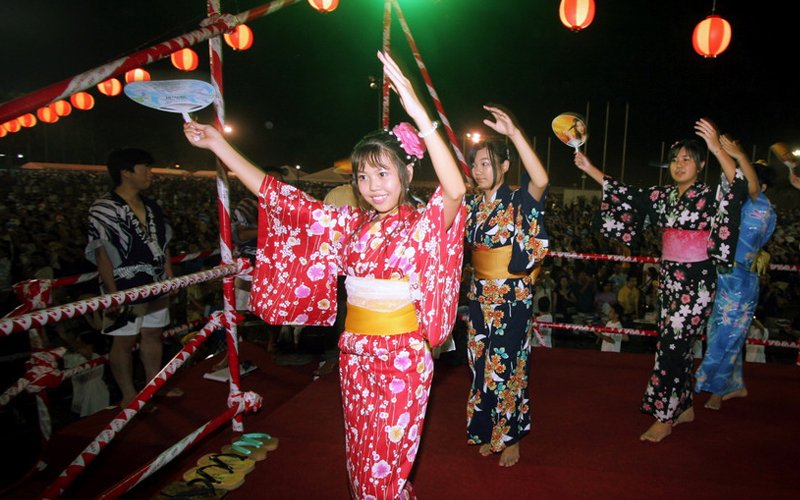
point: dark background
(301, 95)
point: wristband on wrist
(425, 133)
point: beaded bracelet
(431, 130)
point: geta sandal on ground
(234, 461)
(270, 443)
(247, 449)
(196, 488)
(219, 477)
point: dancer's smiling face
(380, 186)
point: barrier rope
(67, 311)
(219, 319)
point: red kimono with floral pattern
(385, 379)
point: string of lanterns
(710, 38)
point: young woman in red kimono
(402, 268)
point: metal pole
(624, 144)
(605, 136)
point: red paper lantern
(47, 114)
(82, 100)
(137, 75)
(61, 108)
(711, 36)
(12, 126)
(185, 59)
(240, 39)
(576, 14)
(27, 120)
(110, 87)
(3, 131)
(324, 5)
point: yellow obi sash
(363, 321)
(492, 264)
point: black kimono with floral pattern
(686, 290)
(500, 315)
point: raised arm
(708, 131)
(582, 162)
(737, 153)
(503, 124)
(208, 137)
(447, 171)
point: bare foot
(510, 456)
(684, 418)
(656, 432)
(714, 402)
(741, 393)
(485, 450)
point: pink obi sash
(684, 245)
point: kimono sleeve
(436, 286)
(530, 238)
(624, 209)
(299, 241)
(730, 197)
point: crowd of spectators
(44, 235)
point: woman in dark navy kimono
(699, 224)
(507, 241)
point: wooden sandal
(249, 449)
(234, 461)
(269, 442)
(217, 476)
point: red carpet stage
(584, 442)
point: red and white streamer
(87, 456)
(72, 310)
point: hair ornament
(409, 140)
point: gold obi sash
(492, 264)
(363, 321)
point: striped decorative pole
(243, 402)
(387, 47)
(223, 207)
(429, 83)
(87, 456)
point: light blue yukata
(735, 305)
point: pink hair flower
(409, 140)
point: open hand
(502, 124)
(402, 86)
(199, 135)
(708, 131)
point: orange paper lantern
(324, 5)
(61, 108)
(185, 59)
(27, 120)
(711, 36)
(137, 75)
(3, 131)
(47, 114)
(12, 126)
(240, 39)
(576, 14)
(110, 87)
(82, 100)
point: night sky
(301, 95)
